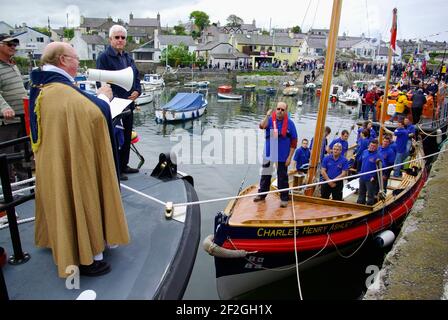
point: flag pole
(393, 39)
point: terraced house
(264, 48)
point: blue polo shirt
(282, 145)
(369, 164)
(388, 155)
(342, 142)
(410, 128)
(363, 144)
(301, 156)
(323, 150)
(334, 167)
(402, 139)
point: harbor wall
(417, 266)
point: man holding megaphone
(115, 58)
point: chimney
(253, 23)
(131, 17)
(158, 17)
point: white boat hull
(144, 98)
(230, 96)
(167, 116)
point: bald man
(281, 142)
(78, 202)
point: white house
(383, 55)
(5, 28)
(313, 46)
(162, 42)
(224, 53)
(31, 42)
(88, 46)
(365, 48)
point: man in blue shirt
(401, 141)
(281, 141)
(301, 156)
(342, 140)
(334, 166)
(115, 58)
(368, 183)
(411, 134)
(388, 156)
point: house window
(94, 56)
(93, 48)
(262, 48)
(40, 39)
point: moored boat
(183, 106)
(256, 243)
(156, 264)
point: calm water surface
(343, 279)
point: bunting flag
(393, 31)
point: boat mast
(386, 89)
(326, 83)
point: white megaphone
(123, 78)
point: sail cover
(184, 102)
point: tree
(69, 33)
(201, 19)
(296, 29)
(177, 55)
(234, 21)
(180, 30)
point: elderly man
(115, 58)
(78, 202)
(12, 93)
(281, 141)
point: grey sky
(416, 18)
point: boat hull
(169, 116)
(273, 247)
(229, 96)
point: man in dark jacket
(418, 100)
(115, 58)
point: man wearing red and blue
(281, 141)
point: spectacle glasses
(120, 37)
(73, 57)
(280, 109)
(10, 44)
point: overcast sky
(416, 18)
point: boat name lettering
(341, 225)
(263, 232)
(311, 230)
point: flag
(393, 31)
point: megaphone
(123, 78)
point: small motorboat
(225, 92)
(290, 91)
(182, 107)
(144, 98)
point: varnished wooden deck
(307, 209)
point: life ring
(318, 92)
(333, 99)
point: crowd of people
(281, 133)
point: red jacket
(371, 97)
